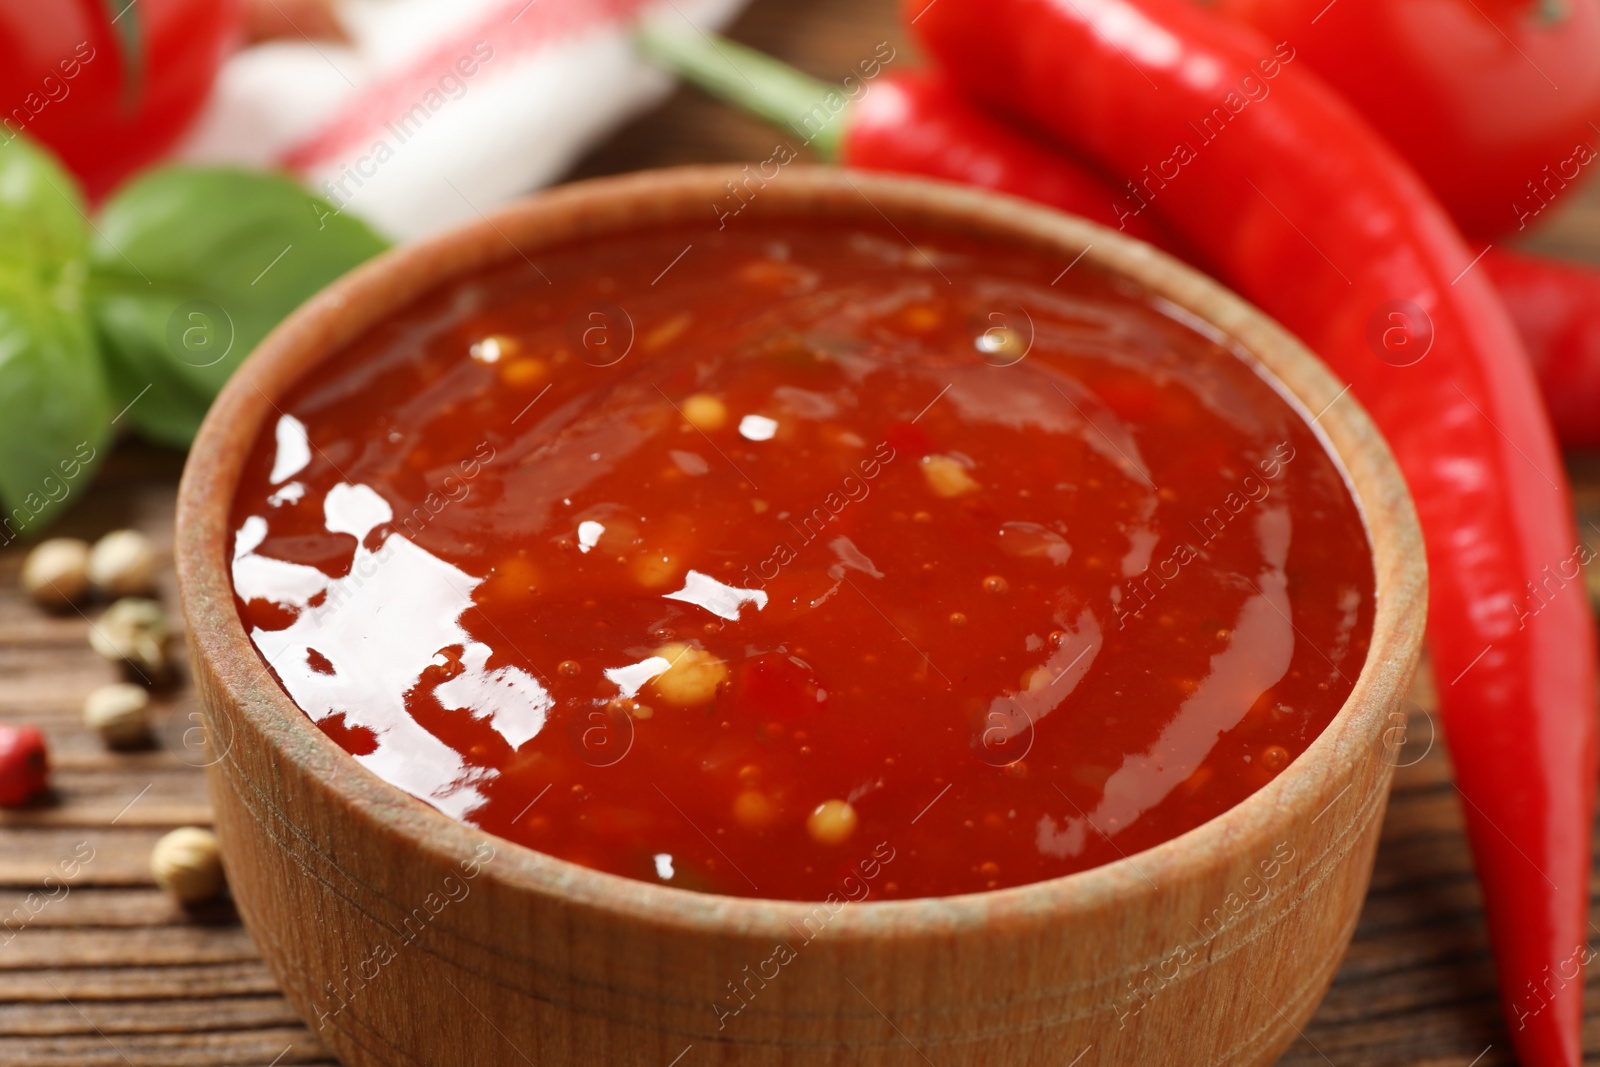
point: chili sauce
(750, 560)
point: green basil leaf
(43, 229)
(192, 266)
(162, 404)
(55, 406)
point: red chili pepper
(24, 765)
(1307, 212)
(1491, 101)
(918, 124)
(1556, 307)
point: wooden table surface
(110, 972)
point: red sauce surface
(817, 555)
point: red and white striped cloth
(437, 110)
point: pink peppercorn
(24, 765)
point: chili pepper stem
(752, 82)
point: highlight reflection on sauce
(815, 552)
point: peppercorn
(188, 864)
(117, 713)
(134, 632)
(56, 572)
(24, 765)
(122, 563)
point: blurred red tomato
(109, 84)
(1492, 101)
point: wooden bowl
(406, 937)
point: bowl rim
(320, 328)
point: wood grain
(119, 976)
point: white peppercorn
(134, 632)
(188, 864)
(118, 713)
(122, 563)
(56, 572)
